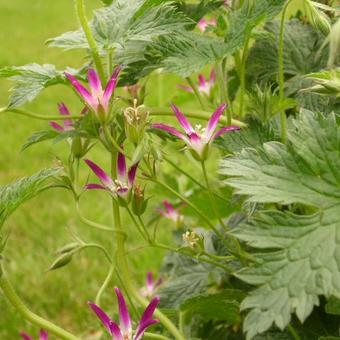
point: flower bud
(68, 247)
(135, 119)
(61, 261)
(139, 203)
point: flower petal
(171, 130)
(212, 77)
(93, 186)
(104, 318)
(202, 82)
(25, 336)
(149, 281)
(63, 109)
(146, 319)
(83, 92)
(124, 316)
(121, 168)
(56, 126)
(110, 86)
(100, 173)
(202, 25)
(182, 119)
(132, 174)
(169, 207)
(185, 88)
(224, 130)
(115, 331)
(94, 83)
(213, 121)
(43, 335)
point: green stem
(105, 284)
(110, 138)
(281, 73)
(155, 336)
(140, 229)
(80, 7)
(17, 303)
(223, 90)
(191, 177)
(122, 265)
(36, 115)
(98, 246)
(191, 205)
(293, 332)
(196, 91)
(243, 73)
(210, 194)
(197, 114)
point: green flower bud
(139, 203)
(61, 261)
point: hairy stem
(80, 7)
(283, 116)
(243, 74)
(35, 319)
(224, 91)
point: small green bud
(68, 247)
(139, 203)
(61, 261)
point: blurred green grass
(40, 227)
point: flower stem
(243, 73)
(80, 8)
(210, 194)
(196, 91)
(224, 91)
(105, 284)
(293, 332)
(17, 303)
(281, 73)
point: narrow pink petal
(201, 81)
(149, 280)
(110, 86)
(132, 174)
(212, 77)
(94, 83)
(83, 92)
(124, 316)
(169, 129)
(43, 335)
(93, 186)
(100, 173)
(142, 328)
(121, 167)
(146, 319)
(68, 123)
(63, 109)
(213, 121)
(182, 119)
(115, 331)
(224, 130)
(185, 88)
(56, 126)
(103, 317)
(168, 206)
(159, 282)
(194, 137)
(25, 336)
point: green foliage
(14, 194)
(30, 80)
(188, 278)
(301, 261)
(224, 305)
(333, 306)
(38, 137)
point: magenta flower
(68, 124)
(151, 285)
(198, 140)
(203, 24)
(96, 99)
(170, 212)
(123, 331)
(122, 185)
(42, 336)
(204, 85)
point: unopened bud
(61, 261)
(68, 247)
(139, 203)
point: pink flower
(97, 99)
(203, 24)
(68, 124)
(123, 331)
(170, 212)
(198, 140)
(42, 336)
(151, 285)
(204, 85)
(122, 185)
